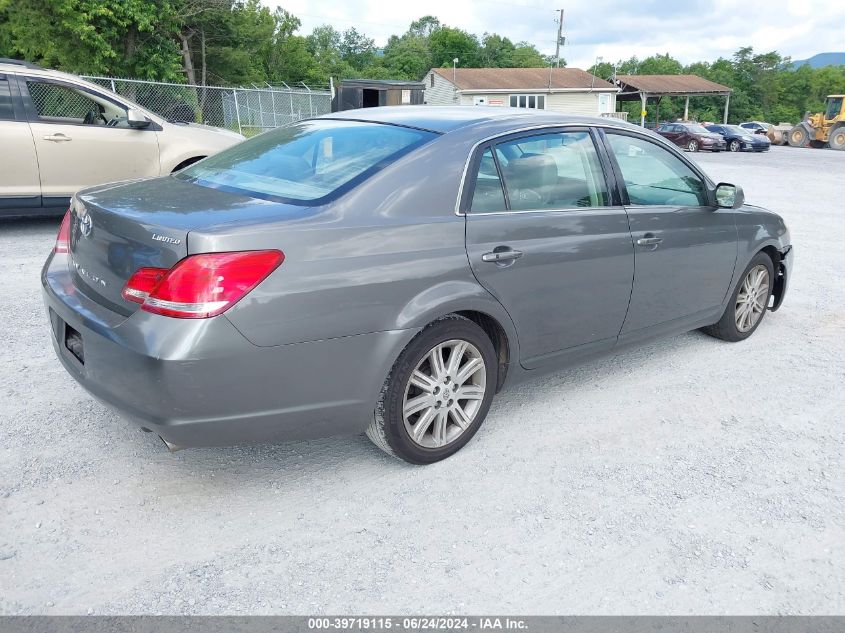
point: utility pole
(560, 39)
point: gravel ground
(688, 476)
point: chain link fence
(249, 111)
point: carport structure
(644, 87)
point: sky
(689, 30)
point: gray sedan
(389, 270)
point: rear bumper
(199, 382)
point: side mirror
(137, 119)
(729, 196)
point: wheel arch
(498, 337)
(473, 302)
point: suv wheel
(438, 392)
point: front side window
(7, 112)
(551, 171)
(655, 176)
(59, 103)
(307, 161)
(834, 106)
(536, 102)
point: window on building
(537, 102)
(432, 80)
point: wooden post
(727, 105)
(686, 110)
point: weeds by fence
(245, 110)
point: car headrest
(532, 171)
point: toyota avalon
(389, 270)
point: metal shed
(371, 93)
(644, 87)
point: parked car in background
(740, 139)
(691, 136)
(60, 133)
(310, 281)
(757, 127)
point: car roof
(444, 119)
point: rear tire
(798, 136)
(421, 416)
(837, 138)
(749, 302)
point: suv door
(20, 188)
(544, 236)
(83, 138)
(685, 246)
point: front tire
(798, 136)
(734, 146)
(837, 139)
(749, 302)
(692, 146)
(437, 394)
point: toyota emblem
(85, 225)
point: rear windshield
(308, 162)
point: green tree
(356, 49)
(526, 55)
(447, 43)
(131, 38)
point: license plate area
(73, 343)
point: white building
(568, 90)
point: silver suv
(60, 134)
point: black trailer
(371, 93)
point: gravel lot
(689, 476)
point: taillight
(141, 284)
(63, 238)
(201, 286)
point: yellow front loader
(822, 129)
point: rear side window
(655, 176)
(7, 112)
(552, 171)
(308, 162)
(488, 196)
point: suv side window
(7, 110)
(58, 103)
(559, 170)
(655, 176)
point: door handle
(57, 138)
(649, 240)
(501, 256)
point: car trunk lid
(117, 229)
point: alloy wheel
(734, 146)
(693, 146)
(753, 297)
(444, 393)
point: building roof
(381, 84)
(480, 79)
(670, 85)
